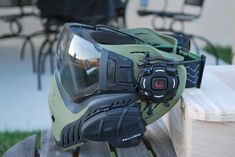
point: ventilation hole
(118, 103)
(67, 136)
(53, 118)
(62, 140)
(70, 135)
(124, 101)
(76, 132)
(73, 133)
(129, 100)
(97, 110)
(79, 125)
(65, 142)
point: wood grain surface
(25, 148)
(203, 123)
(49, 148)
(138, 151)
(158, 137)
(215, 100)
(98, 149)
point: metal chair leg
(39, 74)
(22, 51)
(43, 69)
(52, 53)
(28, 41)
(51, 61)
(43, 58)
(44, 48)
(32, 54)
(48, 52)
(39, 67)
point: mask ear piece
(158, 82)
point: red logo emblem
(159, 84)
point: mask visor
(78, 66)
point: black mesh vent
(70, 134)
(112, 105)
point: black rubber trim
(195, 69)
(71, 133)
(121, 126)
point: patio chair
(14, 18)
(180, 17)
(55, 13)
(14, 21)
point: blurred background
(29, 31)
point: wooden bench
(156, 142)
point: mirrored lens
(79, 67)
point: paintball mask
(110, 84)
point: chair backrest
(198, 3)
(15, 3)
(85, 11)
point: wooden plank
(138, 151)
(25, 148)
(214, 101)
(97, 149)
(193, 138)
(49, 148)
(159, 139)
(177, 124)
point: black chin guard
(124, 124)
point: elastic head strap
(194, 66)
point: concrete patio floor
(22, 106)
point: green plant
(224, 52)
(8, 139)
